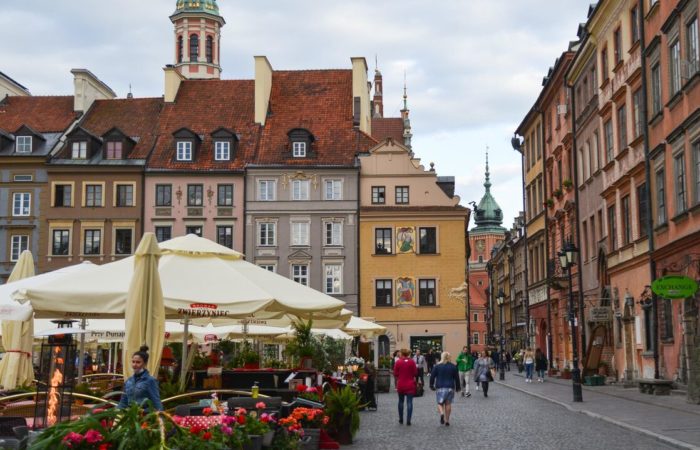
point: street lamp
(567, 258)
(501, 368)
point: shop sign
(674, 286)
(600, 314)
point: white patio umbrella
(361, 327)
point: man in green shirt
(465, 364)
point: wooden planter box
(566, 375)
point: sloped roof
(43, 114)
(387, 127)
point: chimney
(88, 88)
(360, 94)
(172, 83)
(263, 86)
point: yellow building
(412, 251)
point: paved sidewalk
(666, 418)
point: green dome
(489, 215)
(209, 6)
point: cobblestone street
(507, 419)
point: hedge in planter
(342, 409)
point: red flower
(241, 419)
(207, 411)
(195, 429)
(301, 388)
(144, 426)
(104, 447)
(206, 436)
(93, 437)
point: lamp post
(501, 368)
(567, 258)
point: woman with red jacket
(405, 372)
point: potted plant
(568, 184)
(566, 373)
(549, 203)
(603, 369)
(310, 420)
(251, 360)
(302, 346)
(342, 409)
(558, 193)
(384, 374)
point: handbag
(419, 389)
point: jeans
(528, 371)
(485, 387)
(540, 373)
(464, 379)
(409, 407)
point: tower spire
(407, 134)
(377, 100)
(487, 183)
(405, 96)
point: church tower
(377, 100)
(197, 38)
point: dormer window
(299, 149)
(23, 144)
(114, 150)
(224, 144)
(184, 151)
(300, 143)
(79, 150)
(222, 150)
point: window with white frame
(333, 233)
(660, 197)
(300, 189)
(269, 267)
(22, 178)
(23, 144)
(184, 151)
(333, 279)
(60, 243)
(79, 150)
(266, 190)
(476, 317)
(300, 273)
(222, 150)
(300, 233)
(334, 190)
(475, 339)
(93, 195)
(21, 204)
(674, 66)
(123, 241)
(92, 242)
(267, 234)
(383, 293)
(696, 171)
(299, 149)
(679, 169)
(426, 293)
(692, 49)
(164, 233)
(19, 244)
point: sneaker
(400, 421)
(469, 394)
(477, 387)
(447, 424)
(408, 423)
(442, 419)
(463, 394)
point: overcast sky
(474, 67)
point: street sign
(600, 314)
(674, 286)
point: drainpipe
(526, 299)
(245, 219)
(550, 347)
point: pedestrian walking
(430, 360)
(465, 364)
(405, 374)
(540, 364)
(508, 360)
(477, 355)
(529, 361)
(422, 366)
(444, 380)
(482, 372)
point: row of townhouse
(611, 160)
(276, 167)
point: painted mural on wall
(405, 240)
(405, 291)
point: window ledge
(618, 66)
(678, 218)
(622, 153)
(608, 165)
(605, 82)
(427, 254)
(667, 341)
(674, 100)
(694, 209)
(427, 306)
(383, 254)
(636, 141)
(656, 118)
(383, 306)
(634, 47)
(648, 354)
(690, 82)
(661, 228)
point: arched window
(210, 49)
(194, 48)
(179, 49)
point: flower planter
(267, 438)
(383, 380)
(307, 362)
(314, 440)
(255, 443)
(251, 365)
(566, 375)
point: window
(334, 190)
(300, 189)
(475, 338)
(23, 144)
(401, 195)
(194, 229)
(584, 248)
(596, 151)
(593, 239)
(21, 204)
(224, 195)
(626, 222)
(383, 293)
(19, 244)
(179, 49)
(63, 195)
(426, 293)
(691, 47)
(428, 240)
(91, 244)
(114, 150)
(637, 112)
(194, 47)
(60, 242)
(612, 229)
(656, 89)
(696, 171)
(79, 150)
(125, 195)
(609, 146)
(300, 233)
(222, 150)
(378, 195)
(476, 317)
(195, 194)
(634, 24)
(23, 178)
(648, 334)
(333, 279)
(184, 151)
(660, 197)
(334, 233)
(269, 267)
(224, 235)
(679, 168)
(123, 237)
(642, 209)
(266, 190)
(604, 63)
(622, 127)
(164, 233)
(675, 67)
(299, 149)
(667, 318)
(300, 274)
(383, 241)
(617, 37)
(93, 195)
(266, 233)
(209, 49)
(164, 195)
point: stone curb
(659, 437)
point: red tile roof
(321, 102)
(42, 114)
(388, 127)
(204, 106)
(135, 117)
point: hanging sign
(600, 314)
(674, 286)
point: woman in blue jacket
(444, 379)
(141, 386)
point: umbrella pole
(81, 356)
(375, 343)
(109, 358)
(183, 364)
